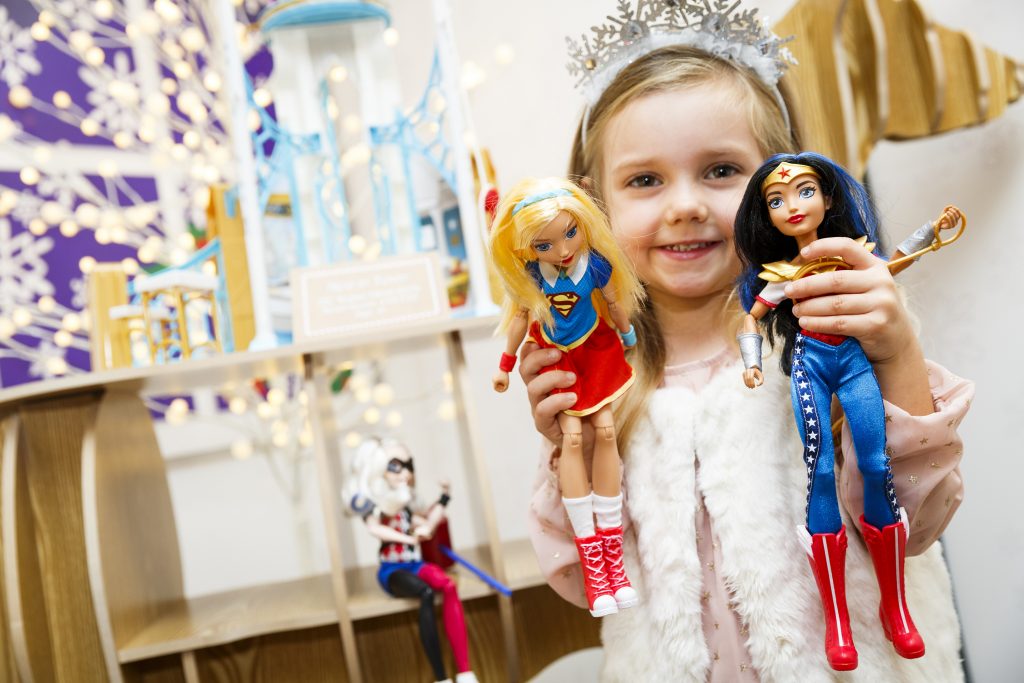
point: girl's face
(675, 165)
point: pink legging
(451, 612)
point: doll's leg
(824, 538)
(883, 527)
(405, 584)
(812, 408)
(578, 501)
(607, 476)
(451, 611)
(865, 414)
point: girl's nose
(687, 205)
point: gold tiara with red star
(785, 173)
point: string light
(338, 74)
(29, 175)
(68, 228)
(63, 338)
(20, 97)
(87, 263)
(38, 227)
(61, 99)
(103, 9)
(46, 304)
(21, 317)
(238, 405)
(241, 449)
(262, 97)
(40, 32)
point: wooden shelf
(234, 615)
(222, 618)
(185, 376)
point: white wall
(525, 113)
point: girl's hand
(753, 378)
(861, 302)
(500, 381)
(544, 405)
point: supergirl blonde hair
(514, 231)
(664, 70)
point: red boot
(595, 579)
(827, 554)
(887, 547)
(611, 541)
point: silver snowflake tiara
(718, 27)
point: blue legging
(820, 370)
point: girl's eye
(643, 180)
(806, 192)
(572, 233)
(774, 202)
(722, 171)
(541, 248)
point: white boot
(466, 677)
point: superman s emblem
(564, 302)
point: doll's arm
(516, 334)
(617, 313)
(750, 340)
(427, 525)
(922, 238)
(924, 453)
(386, 533)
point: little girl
(713, 481)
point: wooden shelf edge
(181, 377)
(222, 618)
(218, 619)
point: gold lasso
(938, 243)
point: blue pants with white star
(820, 370)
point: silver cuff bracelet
(921, 238)
(750, 349)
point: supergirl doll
(562, 270)
(381, 491)
(791, 201)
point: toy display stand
(110, 605)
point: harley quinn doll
(564, 277)
(381, 491)
(791, 201)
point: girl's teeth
(688, 247)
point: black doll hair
(852, 214)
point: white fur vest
(754, 482)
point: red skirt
(602, 373)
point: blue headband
(539, 197)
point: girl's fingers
(835, 282)
(857, 256)
(546, 412)
(534, 359)
(837, 304)
(545, 383)
(846, 325)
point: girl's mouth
(796, 218)
(689, 250)
(567, 261)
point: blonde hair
(514, 231)
(671, 68)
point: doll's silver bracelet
(921, 238)
(750, 349)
